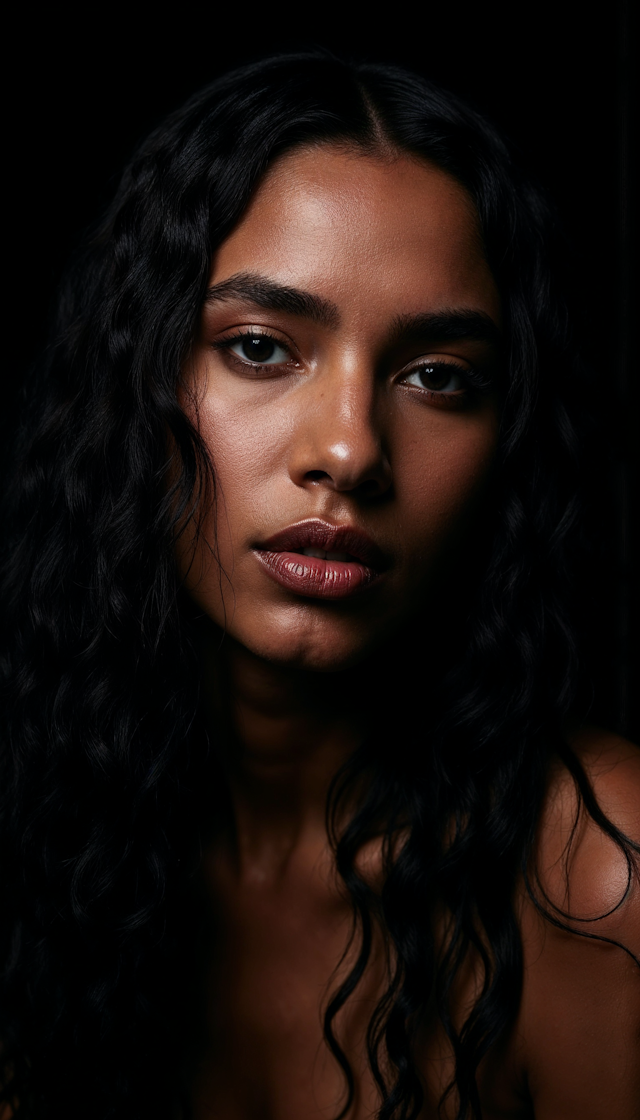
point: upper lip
(329, 538)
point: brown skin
(574, 1051)
(340, 427)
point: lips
(322, 561)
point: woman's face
(340, 382)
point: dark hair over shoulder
(102, 750)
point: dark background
(89, 83)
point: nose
(339, 441)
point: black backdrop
(89, 83)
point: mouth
(322, 561)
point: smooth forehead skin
(324, 208)
(340, 434)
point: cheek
(442, 481)
(244, 448)
(246, 452)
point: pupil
(258, 349)
(434, 379)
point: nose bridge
(342, 441)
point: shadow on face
(343, 381)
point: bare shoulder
(579, 1020)
(578, 867)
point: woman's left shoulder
(581, 869)
(579, 1020)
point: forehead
(355, 226)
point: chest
(279, 957)
(275, 964)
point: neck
(288, 733)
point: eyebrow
(449, 325)
(275, 297)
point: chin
(317, 645)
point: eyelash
(476, 381)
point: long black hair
(102, 748)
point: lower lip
(316, 578)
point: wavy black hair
(103, 748)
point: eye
(437, 377)
(260, 349)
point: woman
(299, 814)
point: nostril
(316, 476)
